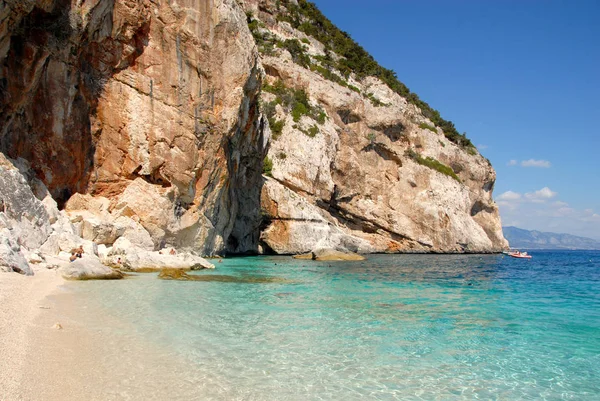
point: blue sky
(520, 77)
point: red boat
(520, 255)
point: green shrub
(432, 164)
(304, 40)
(429, 127)
(376, 102)
(297, 51)
(276, 128)
(282, 155)
(298, 111)
(294, 101)
(329, 75)
(276, 125)
(371, 137)
(268, 167)
(321, 117)
(313, 131)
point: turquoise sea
(393, 327)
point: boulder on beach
(88, 268)
(66, 242)
(129, 257)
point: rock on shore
(34, 232)
(89, 268)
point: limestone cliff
(163, 113)
(152, 105)
(354, 164)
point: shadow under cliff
(50, 82)
(246, 150)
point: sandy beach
(78, 361)
(22, 299)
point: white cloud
(535, 163)
(482, 147)
(563, 211)
(541, 195)
(512, 163)
(540, 210)
(509, 196)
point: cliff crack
(154, 98)
(348, 218)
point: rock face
(150, 121)
(161, 96)
(375, 175)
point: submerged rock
(326, 254)
(178, 274)
(305, 256)
(174, 274)
(332, 254)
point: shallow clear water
(431, 327)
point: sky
(520, 77)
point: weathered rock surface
(11, 259)
(25, 214)
(66, 242)
(94, 222)
(88, 268)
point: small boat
(519, 254)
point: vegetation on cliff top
(307, 18)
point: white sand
(78, 362)
(22, 298)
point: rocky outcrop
(150, 121)
(89, 268)
(126, 256)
